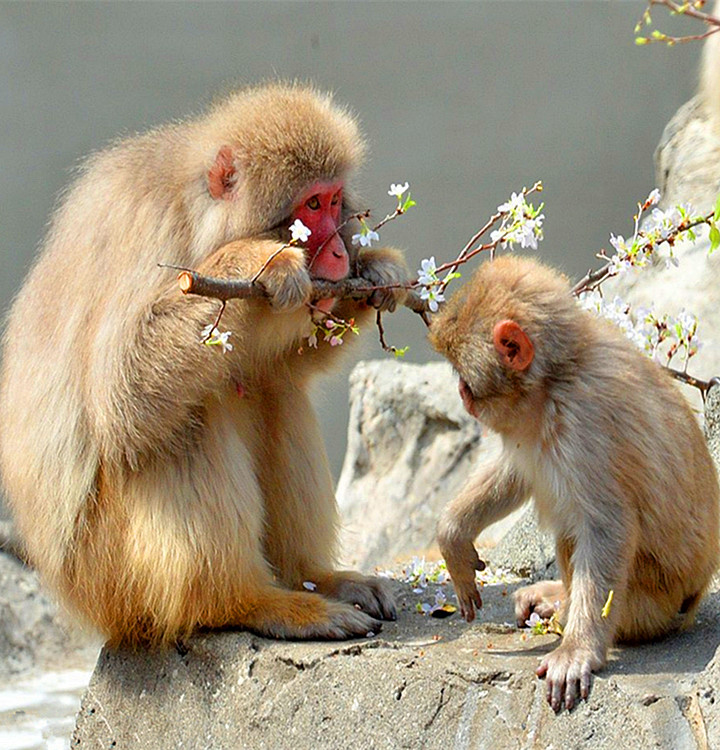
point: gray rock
(421, 683)
(411, 446)
(712, 422)
(526, 549)
(33, 635)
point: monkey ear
(513, 345)
(222, 175)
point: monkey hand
(462, 564)
(286, 280)
(567, 671)
(383, 267)
(545, 598)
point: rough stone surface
(712, 422)
(411, 446)
(33, 635)
(525, 549)
(421, 683)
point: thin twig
(268, 261)
(467, 252)
(681, 9)
(702, 385)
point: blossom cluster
(521, 223)
(418, 573)
(645, 329)
(331, 330)
(659, 228)
(211, 336)
(542, 626)
(431, 284)
(366, 236)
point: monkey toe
(345, 621)
(373, 595)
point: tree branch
(192, 282)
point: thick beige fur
(601, 438)
(151, 496)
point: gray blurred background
(466, 101)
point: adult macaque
(159, 484)
(600, 437)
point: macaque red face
(320, 209)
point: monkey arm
(604, 537)
(487, 497)
(154, 373)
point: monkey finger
(348, 622)
(382, 300)
(554, 691)
(571, 692)
(467, 609)
(585, 680)
(385, 600)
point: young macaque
(160, 484)
(601, 438)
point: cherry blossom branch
(468, 252)
(648, 330)
(593, 279)
(689, 9)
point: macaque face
(320, 210)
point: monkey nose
(338, 253)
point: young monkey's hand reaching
(462, 565)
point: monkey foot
(568, 673)
(373, 595)
(301, 616)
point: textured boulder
(411, 447)
(33, 635)
(422, 682)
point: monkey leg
(300, 509)
(545, 598)
(658, 602)
(177, 545)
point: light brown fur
(151, 496)
(601, 438)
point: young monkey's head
(507, 332)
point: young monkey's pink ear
(222, 175)
(513, 345)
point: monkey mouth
(467, 397)
(325, 305)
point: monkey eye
(335, 199)
(313, 203)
